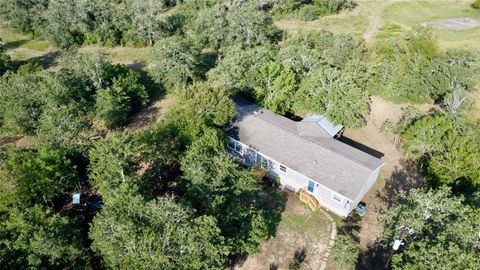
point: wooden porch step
(309, 199)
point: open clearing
(397, 173)
(382, 20)
(399, 17)
(456, 24)
(354, 22)
(301, 231)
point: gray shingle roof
(304, 147)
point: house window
(283, 168)
(231, 144)
(235, 145)
(311, 185)
(262, 161)
(337, 198)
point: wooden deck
(309, 199)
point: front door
(311, 186)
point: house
(304, 155)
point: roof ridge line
(310, 141)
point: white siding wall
(371, 180)
(325, 195)
(297, 181)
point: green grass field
(400, 17)
(354, 22)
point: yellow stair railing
(309, 200)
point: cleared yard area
(395, 175)
(302, 234)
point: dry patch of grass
(301, 233)
(120, 55)
(152, 114)
(474, 115)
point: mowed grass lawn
(300, 231)
(400, 17)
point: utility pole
(397, 243)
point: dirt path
(331, 242)
(374, 23)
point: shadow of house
(361, 147)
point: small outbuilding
(76, 198)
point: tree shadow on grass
(14, 44)
(142, 117)
(350, 226)
(373, 257)
(405, 177)
(46, 60)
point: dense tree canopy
(160, 234)
(235, 71)
(200, 106)
(450, 149)
(445, 231)
(215, 185)
(276, 85)
(32, 99)
(168, 195)
(40, 177)
(431, 73)
(5, 62)
(335, 94)
(308, 9)
(174, 62)
(21, 100)
(234, 22)
(36, 238)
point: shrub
(335, 6)
(310, 12)
(476, 4)
(345, 252)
